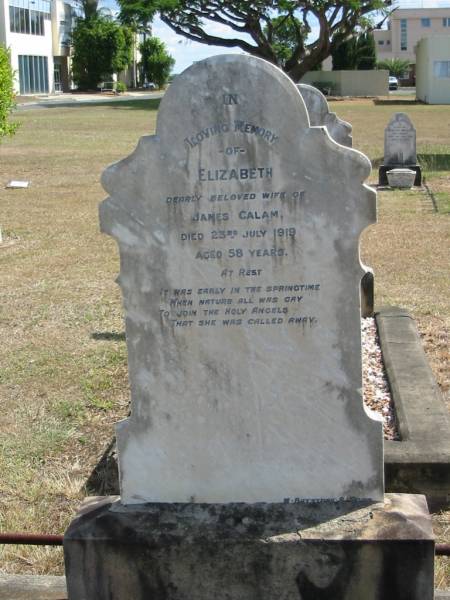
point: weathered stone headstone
(399, 147)
(249, 467)
(320, 114)
(400, 141)
(239, 237)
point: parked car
(149, 85)
(393, 83)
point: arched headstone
(238, 226)
(400, 148)
(320, 114)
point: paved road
(65, 100)
(403, 91)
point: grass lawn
(63, 373)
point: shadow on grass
(152, 104)
(428, 162)
(144, 104)
(108, 336)
(104, 479)
(396, 102)
(434, 162)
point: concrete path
(70, 100)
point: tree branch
(211, 40)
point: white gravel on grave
(377, 395)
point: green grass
(443, 202)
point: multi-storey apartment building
(407, 25)
(37, 35)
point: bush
(100, 47)
(326, 87)
(121, 87)
(156, 61)
(396, 66)
(6, 94)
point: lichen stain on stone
(340, 572)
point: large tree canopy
(257, 27)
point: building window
(425, 22)
(403, 34)
(446, 22)
(23, 19)
(33, 74)
(441, 69)
(388, 42)
(381, 42)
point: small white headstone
(238, 227)
(400, 141)
(18, 184)
(319, 114)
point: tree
(366, 54)
(6, 94)
(355, 53)
(284, 33)
(343, 55)
(101, 47)
(156, 61)
(396, 66)
(258, 26)
(89, 8)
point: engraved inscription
(230, 99)
(241, 306)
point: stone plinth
(383, 169)
(313, 551)
(401, 178)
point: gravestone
(399, 148)
(320, 115)
(240, 273)
(249, 467)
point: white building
(411, 22)
(433, 70)
(37, 35)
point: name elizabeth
(230, 174)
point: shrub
(100, 47)
(156, 61)
(6, 94)
(396, 66)
(326, 87)
(121, 87)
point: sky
(185, 52)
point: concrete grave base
(383, 169)
(339, 550)
(420, 462)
